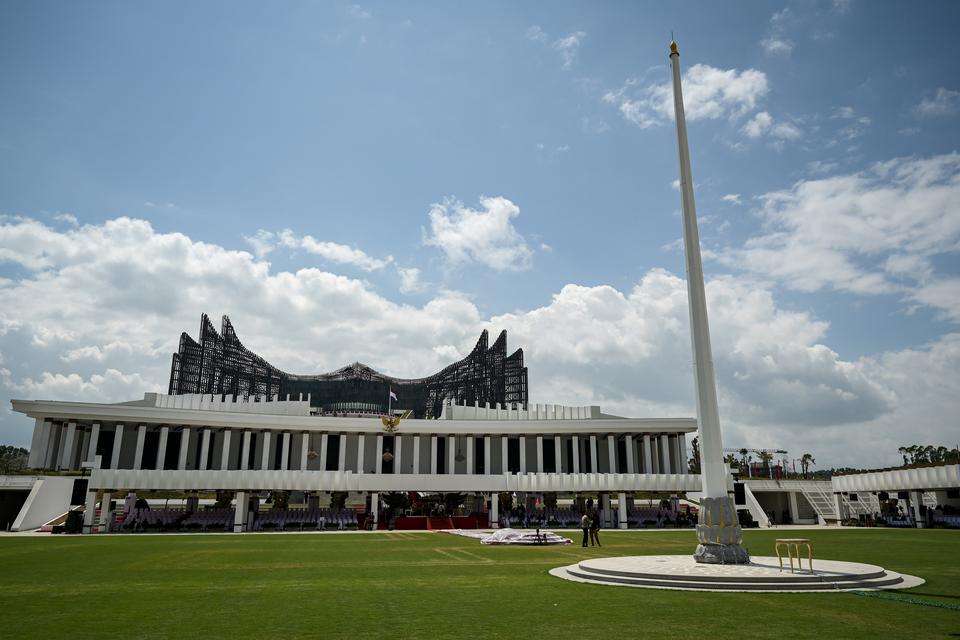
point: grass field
(423, 585)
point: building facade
(216, 443)
(219, 364)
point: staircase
(821, 501)
(753, 505)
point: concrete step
(763, 574)
(885, 579)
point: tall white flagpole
(718, 530)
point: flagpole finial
(673, 48)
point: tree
(694, 463)
(12, 458)
(903, 451)
(805, 461)
(765, 458)
(744, 458)
(731, 461)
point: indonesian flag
(392, 394)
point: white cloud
(943, 103)
(842, 6)
(762, 124)
(732, 198)
(536, 34)
(484, 236)
(69, 218)
(162, 206)
(358, 12)
(758, 125)
(123, 299)
(840, 231)
(776, 42)
(777, 45)
(263, 242)
(708, 93)
(569, 46)
(941, 293)
(410, 280)
(105, 387)
(821, 167)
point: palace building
(234, 424)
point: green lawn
(422, 585)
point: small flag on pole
(393, 396)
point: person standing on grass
(585, 525)
(595, 528)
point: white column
(225, 453)
(375, 509)
(43, 443)
(916, 499)
(612, 453)
(84, 438)
(204, 449)
(184, 445)
(575, 445)
(245, 452)
(539, 454)
(593, 454)
(470, 456)
(451, 454)
(682, 452)
(379, 460)
(50, 458)
(558, 453)
(105, 513)
(664, 454)
(647, 457)
(323, 452)
(240, 513)
(117, 444)
(265, 457)
(622, 507)
(605, 510)
(35, 443)
(342, 462)
(494, 510)
(58, 460)
(838, 507)
(92, 446)
(90, 511)
(487, 466)
(523, 454)
(361, 444)
(397, 447)
(162, 446)
(504, 452)
(433, 455)
(138, 456)
(285, 451)
(66, 461)
(792, 504)
(416, 453)
(304, 450)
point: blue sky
(402, 176)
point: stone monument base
(721, 554)
(719, 533)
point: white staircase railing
(821, 501)
(753, 505)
